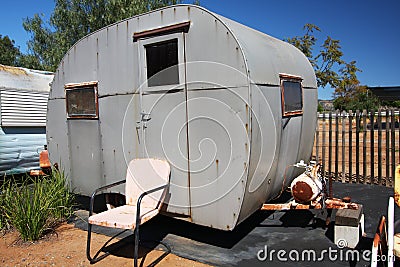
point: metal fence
(358, 147)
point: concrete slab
(292, 238)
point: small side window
(292, 95)
(82, 101)
(162, 63)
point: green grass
(36, 205)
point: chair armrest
(99, 190)
(139, 201)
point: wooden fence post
(358, 146)
(323, 143)
(365, 146)
(387, 165)
(343, 115)
(317, 139)
(379, 146)
(372, 123)
(336, 145)
(330, 145)
(393, 146)
(350, 146)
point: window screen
(292, 97)
(162, 63)
(82, 102)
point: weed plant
(37, 205)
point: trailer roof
(266, 56)
(17, 78)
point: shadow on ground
(287, 231)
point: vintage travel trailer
(23, 107)
(230, 108)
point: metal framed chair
(146, 185)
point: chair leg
(136, 249)
(96, 258)
(89, 237)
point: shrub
(37, 205)
(3, 221)
(62, 196)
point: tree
(29, 61)
(331, 70)
(359, 99)
(73, 19)
(329, 66)
(9, 53)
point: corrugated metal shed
(23, 96)
(23, 107)
(19, 149)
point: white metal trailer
(229, 107)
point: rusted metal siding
(19, 149)
(23, 96)
(23, 107)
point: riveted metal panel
(119, 145)
(57, 135)
(219, 149)
(268, 56)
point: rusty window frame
(69, 88)
(293, 79)
(174, 28)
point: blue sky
(369, 30)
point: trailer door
(162, 126)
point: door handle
(145, 116)
(137, 131)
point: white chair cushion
(122, 217)
(143, 175)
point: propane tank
(307, 186)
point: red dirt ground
(67, 247)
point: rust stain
(302, 192)
(179, 27)
(380, 231)
(376, 240)
(329, 204)
(335, 203)
(44, 161)
(13, 70)
(397, 198)
(397, 186)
